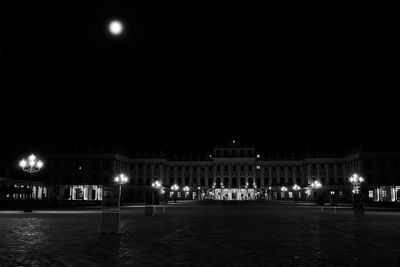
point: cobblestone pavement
(203, 234)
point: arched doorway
(234, 182)
(250, 181)
(218, 182)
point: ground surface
(203, 234)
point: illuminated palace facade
(231, 172)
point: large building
(231, 172)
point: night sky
(184, 77)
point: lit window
(370, 193)
(290, 194)
(299, 194)
(383, 193)
(340, 193)
(282, 194)
(258, 167)
(179, 194)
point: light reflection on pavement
(203, 234)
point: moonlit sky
(185, 77)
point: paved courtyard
(203, 234)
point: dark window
(218, 168)
(186, 180)
(210, 181)
(242, 181)
(242, 168)
(234, 182)
(202, 181)
(218, 182)
(322, 166)
(226, 181)
(226, 168)
(250, 168)
(171, 181)
(234, 168)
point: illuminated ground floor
(22, 189)
(76, 192)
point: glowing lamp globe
(115, 27)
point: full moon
(115, 27)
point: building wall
(231, 167)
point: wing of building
(231, 172)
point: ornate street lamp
(157, 185)
(120, 180)
(186, 189)
(283, 189)
(31, 165)
(316, 184)
(175, 188)
(356, 181)
(358, 202)
(296, 188)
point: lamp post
(296, 188)
(186, 189)
(356, 181)
(157, 185)
(31, 165)
(358, 204)
(284, 189)
(175, 188)
(110, 217)
(120, 180)
(316, 184)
